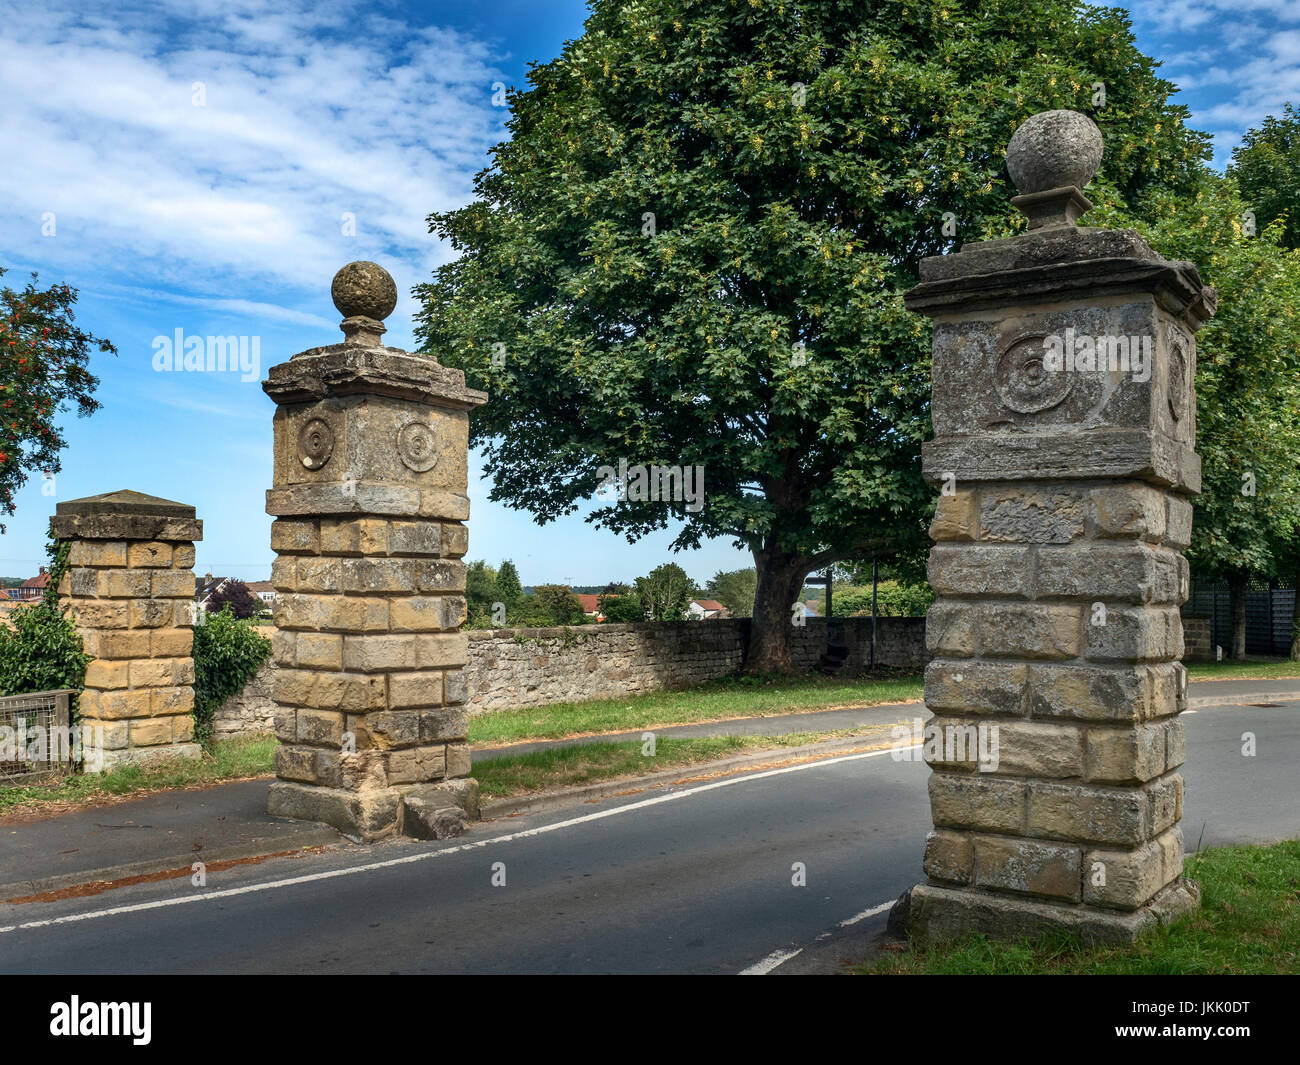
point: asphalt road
(694, 879)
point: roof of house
(39, 581)
(708, 604)
(590, 603)
(258, 587)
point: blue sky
(198, 159)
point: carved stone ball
(363, 288)
(1052, 149)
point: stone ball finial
(364, 289)
(1054, 149)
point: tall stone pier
(1064, 426)
(130, 587)
(369, 497)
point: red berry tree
(44, 361)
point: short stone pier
(369, 496)
(1064, 427)
(130, 586)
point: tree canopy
(692, 249)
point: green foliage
(666, 592)
(227, 653)
(43, 651)
(893, 599)
(508, 584)
(758, 328)
(734, 589)
(1267, 167)
(1247, 374)
(559, 605)
(480, 592)
(622, 608)
(43, 369)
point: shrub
(227, 652)
(43, 651)
(622, 608)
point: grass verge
(247, 756)
(1249, 923)
(592, 763)
(730, 698)
(1263, 669)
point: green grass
(1249, 922)
(592, 763)
(1248, 670)
(730, 698)
(247, 756)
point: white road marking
(780, 957)
(867, 913)
(528, 833)
(777, 957)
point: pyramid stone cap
(125, 515)
(124, 501)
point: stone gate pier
(130, 587)
(1064, 427)
(369, 496)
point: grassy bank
(717, 701)
(1249, 923)
(593, 763)
(1258, 669)
(228, 760)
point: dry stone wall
(510, 668)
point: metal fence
(35, 736)
(1269, 612)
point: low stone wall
(511, 668)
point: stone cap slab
(125, 515)
(1061, 261)
(342, 370)
(1063, 455)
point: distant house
(590, 605)
(264, 590)
(32, 588)
(707, 610)
(206, 587)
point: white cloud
(308, 112)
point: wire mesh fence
(36, 740)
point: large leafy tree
(1267, 167)
(735, 589)
(1247, 381)
(44, 369)
(691, 252)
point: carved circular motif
(417, 447)
(315, 444)
(1177, 387)
(1024, 381)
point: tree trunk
(1237, 604)
(780, 579)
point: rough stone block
(1135, 574)
(149, 555)
(415, 690)
(415, 538)
(1089, 814)
(1129, 511)
(950, 629)
(1036, 749)
(1129, 755)
(955, 517)
(949, 856)
(1027, 867)
(977, 802)
(1030, 630)
(960, 570)
(1025, 514)
(439, 575)
(295, 536)
(1138, 634)
(976, 687)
